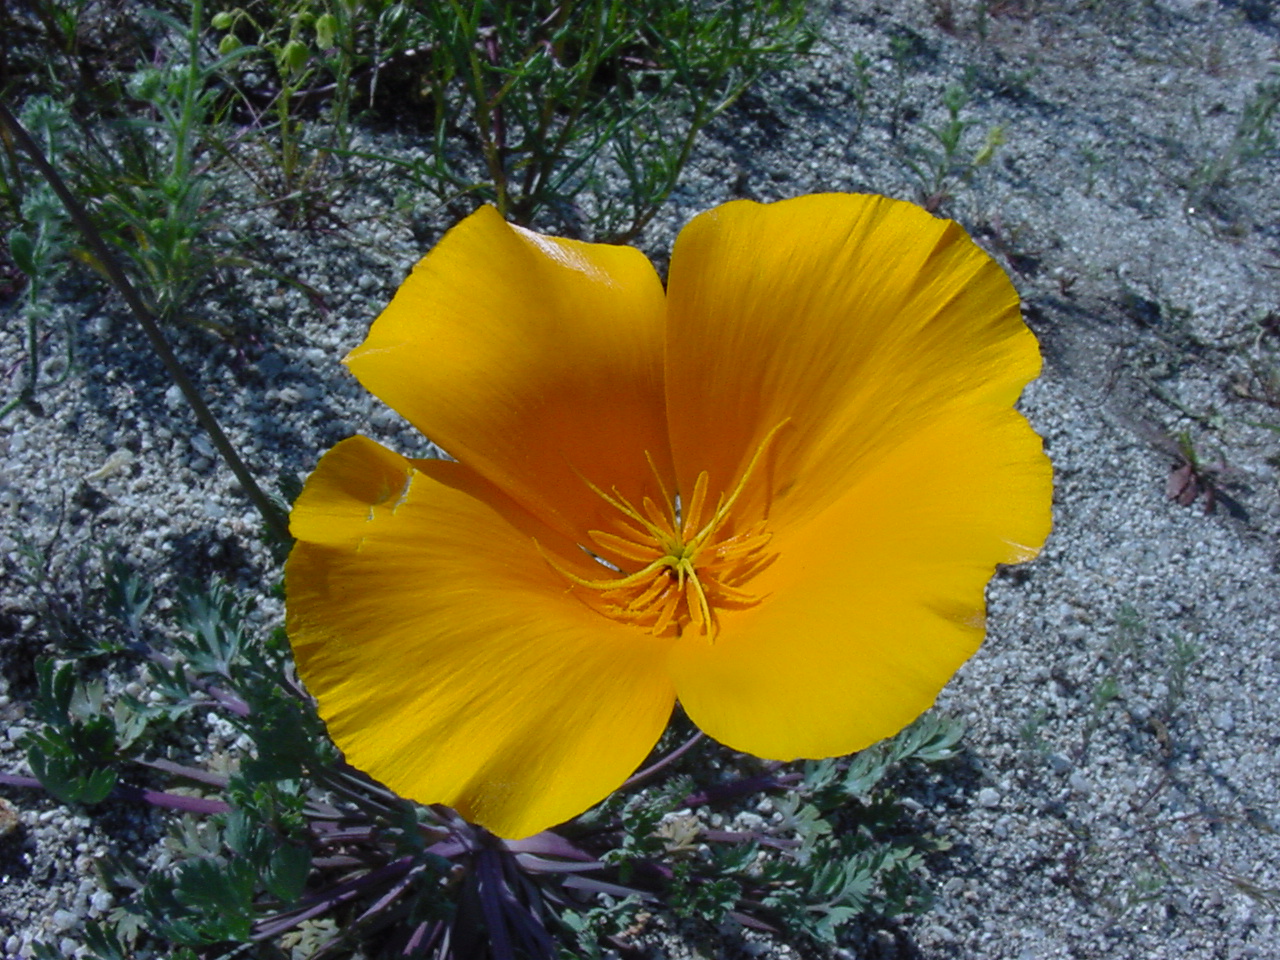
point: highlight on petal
(447, 657)
(535, 360)
(856, 320)
(874, 603)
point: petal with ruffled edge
(872, 605)
(535, 360)
(856, 320)
(447, 657)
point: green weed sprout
(1254, 137)
(153, 179)
(299, 40)
(39, 247)
(940, 164)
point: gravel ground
(1119, 793)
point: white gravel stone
(64, 920)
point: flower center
(689, 561)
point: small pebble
(64, 920)
(9, 818)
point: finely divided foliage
(295, 840)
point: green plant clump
(578, 115)
(561, 97)
(291, 850)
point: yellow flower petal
(535, 360)
(879, 599)
(856, 320)
(448, 658)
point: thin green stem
(587, 66)
(270, 513)
(182, 151)
(484, 107)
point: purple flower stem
(547, 844)
(449, 848)
(532, 864)
(231, 702)
(325, 832)
(360, 789)
(526, 917)
(390, 896)
(330, 898)
(341, 860)
(752, 923)
(170, 801)
(316, 810)
(189, 773)
(13, 780)
(592, 885)
(415, 947)
(730, 836)
(156, 798)
(354, 789)
(489, 873)
(366, 783)
(415, 940)
(655, 768)
(737, 788)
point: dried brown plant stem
(271, 514)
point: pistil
(688, 570)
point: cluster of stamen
(690, 562)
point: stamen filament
(657, 476)
(694, 511)
(651, 594)
(636, 534)
(684, 575)
(656, 516)
(673, 597)
(629, 549)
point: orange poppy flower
(775, 491)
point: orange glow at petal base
(775, 491)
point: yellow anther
(686, 571)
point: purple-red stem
(660, 765)
(547, 844)
(190, 773)
(330, 898)
(233, 703)
(736, 788)
(123, 791)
